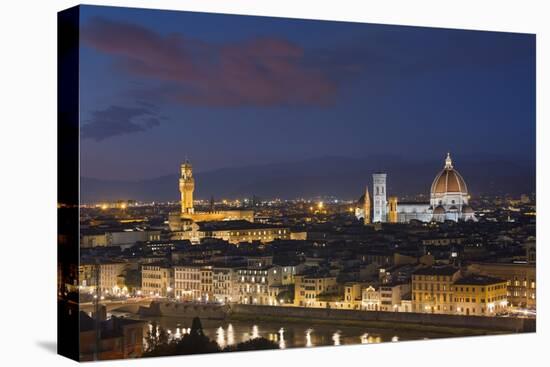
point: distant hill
(339, 176)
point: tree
(252, 344)
(193, 343)
(156, 336)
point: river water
(288, 335)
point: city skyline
(401, 161)
(404, 91)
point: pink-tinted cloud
(260, 71)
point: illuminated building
(156, 280)
(187, 186)
(181, 221)
(370, 299)
(392, 294)
(449, 195)
(366, 207)
(223, 280)
(448, 200)
(109, 273)
(258, 286)
(479, 295)
(379, 197)
(392, 209)
(352, 296)
(432, 289)
(308, 288)
(123, 237)
(520, 281)
(236, 231)
(189, 283)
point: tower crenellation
(187, 187)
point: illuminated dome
(449, 180)
(449, 195)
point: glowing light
(336, 337)
(308, 338)
(220, 337)
(365, 338)
(104, 207)
(255, 333)
(320, 205)
(395, 339)
(282, 344)
(230, 335)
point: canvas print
(240, 183)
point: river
(287, 335)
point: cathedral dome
(448, 180)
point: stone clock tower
(187, 186)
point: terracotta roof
(449, 180)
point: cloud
(120, 120)
(255, 72)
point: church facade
(448, 201)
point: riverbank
(430, 331)
(474, 325)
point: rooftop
(229, 225)
(437, 270)
(478, 280)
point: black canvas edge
(68, 24)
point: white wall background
(28, 179)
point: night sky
(230, 91)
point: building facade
(156, 280)
(432, 289)
(521, 281)
(480, 295)
(309, 288)
(187, 283)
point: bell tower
(367, 208)
(187, 186)
(380, 198)
(392, 214)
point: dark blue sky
(225, 91)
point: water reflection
(282, 344)
(220, 337)
(255, 333)
(230, 335)
(286, 336)
(336, 337)
(308, 338)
